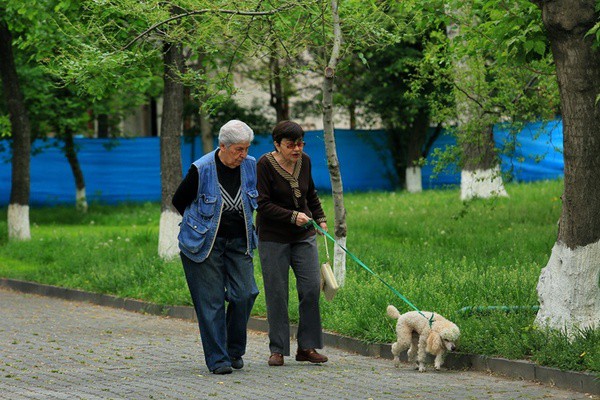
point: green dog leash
(369, 270)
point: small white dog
(414, 334)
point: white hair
(235, 131)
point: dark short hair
(287, 130)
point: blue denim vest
(200, 222)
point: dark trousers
(276, 259)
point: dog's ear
(434, 343)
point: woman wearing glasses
(287, 201)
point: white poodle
(414, 334)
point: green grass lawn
(438, 252)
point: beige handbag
(329, 284)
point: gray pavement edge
(577, 381)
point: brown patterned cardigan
(281, 196)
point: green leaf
(362, 58)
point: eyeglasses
(293, 145)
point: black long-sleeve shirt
(232, 219)
(187, 191)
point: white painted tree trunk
(81, 200)
(480, 174)
(170, 150)
(337, 188)
(568, 289)
(18, 222)
(339, 261)
(414, 182)
(482, 184)
(18, 208)
(569, 286)
(168, 245)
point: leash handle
(326, 247)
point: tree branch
(246, 37)
(337, 41)
(206, 11)
(468, 96)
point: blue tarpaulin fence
(129, 169)
(535, 153)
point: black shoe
(237, 363)
(226, 369)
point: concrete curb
(571, 380)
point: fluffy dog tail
(393, 312)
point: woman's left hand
(302, 219)
(323, 226)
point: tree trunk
(153, 117)
(414, 178)
(18, 208)
(208, 140)
(279, 99)
(340, 229)
(480, 175)
(188, 117)
(416, 140)
(170, 150)
(206, 136)
(103, 125)
(568, 288)
(352, 114)
(71, 154)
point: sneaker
(237, 363)
(276, 360)
(225, 369)
(310, 355)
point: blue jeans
(227, 275)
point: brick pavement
(56, 349)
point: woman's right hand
(302, 219)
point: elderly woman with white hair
(217, 237)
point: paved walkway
(56, 349)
